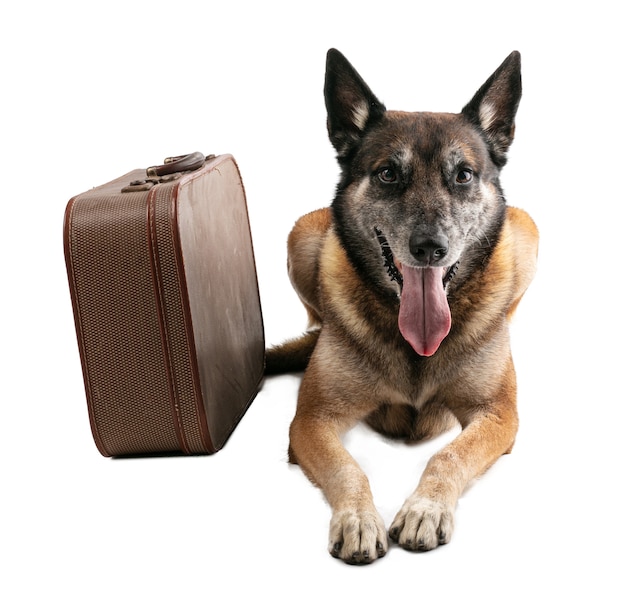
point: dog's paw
(422, 524)
(357, 537)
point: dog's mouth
(424, 318)
(395, 272)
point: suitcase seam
(157, 282)
(199, 405)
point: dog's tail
(292, 355)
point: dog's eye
(387, 175)
(465, 175)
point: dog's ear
(494, 106)
(351, 105)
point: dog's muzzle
(394, 273)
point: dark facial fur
(419, 177)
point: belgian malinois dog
(410, 279)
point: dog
(409, 279)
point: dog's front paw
(422, 524)
(357, 537)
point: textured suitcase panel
(167, 310)
(116, 318)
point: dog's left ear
(494, 106)
(351, 105)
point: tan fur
(355, 375)
(304, 244)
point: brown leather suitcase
(166, 304)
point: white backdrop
(92, 91)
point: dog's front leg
(426, 519)
(357, 531)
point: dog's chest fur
(373, 350)
(381, 362)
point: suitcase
(166, 305)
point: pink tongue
(424, 318)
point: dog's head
(419, 198)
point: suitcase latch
(170, 170)
(146, 184)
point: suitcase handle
(177, 164)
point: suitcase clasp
(146, 184)
(171, 170)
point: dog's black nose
(428, 250)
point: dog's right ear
(351, 105)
